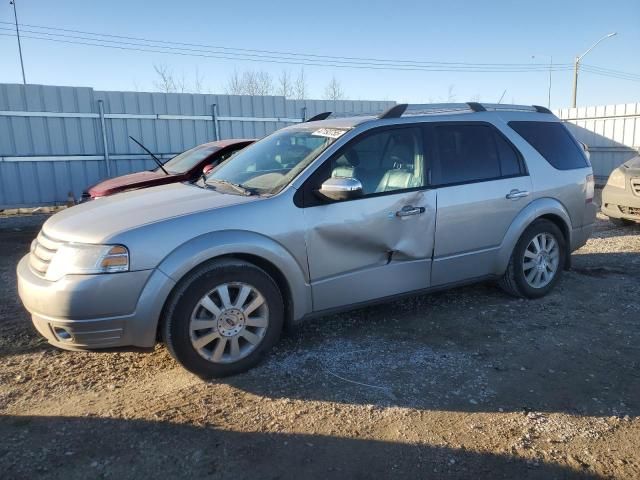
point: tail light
(590, 188)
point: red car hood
(130, 182)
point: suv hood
(99, 220)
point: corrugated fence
(56, 140)
(612, 133)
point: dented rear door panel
(362, 250)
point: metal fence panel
(51, 138)
(612, 133)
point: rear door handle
(513, 194)
(409, 210)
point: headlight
(617, 179)
(80, 259)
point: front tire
(223, 318)
(537, 261)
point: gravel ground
(467, 383)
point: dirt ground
(467, 383)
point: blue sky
(442, 31)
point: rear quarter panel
(569, 187)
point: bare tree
(234, 84)
(168, 82)
(264, 83)
(300, 86)
(165, 81)
(333, 90)
(285, 85)
(250, 83)
(181, 84)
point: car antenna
(156, 159)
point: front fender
(536, 209)
(216, 244)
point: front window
(185, 161)
(267, 166)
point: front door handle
(409, 210)
(514, 194)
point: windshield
(269, 165)
(185, 161)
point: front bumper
(620, 203)
(95, 311)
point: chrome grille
(635, 185)
(43, 249)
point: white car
(621, 195)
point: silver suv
(321, 216)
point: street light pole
(15, 15)
(576, 67)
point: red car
(187, 166)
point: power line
(534, 67)
(620, 77)
(291, 58)
(304, 62)
(304, 56)
(610, 72)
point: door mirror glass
(341, 188)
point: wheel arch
(254, 248)
(277, 275)
(542, 208)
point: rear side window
(472, 153)
(553, 141)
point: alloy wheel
(229, 322)
(541, 260)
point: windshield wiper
(238, 188)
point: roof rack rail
(441, 108)
(320, 116)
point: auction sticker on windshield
(330, 132)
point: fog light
(61, 334)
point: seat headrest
(350, 158)
(401, 154)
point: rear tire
(537, 261)
(223, 318)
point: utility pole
(576, 68)
(15, 15)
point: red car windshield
(185, 161)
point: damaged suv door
(379, 241)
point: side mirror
(341, 188)
(207, 169)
